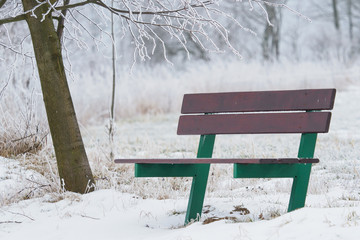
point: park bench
(265, 112)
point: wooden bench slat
(220, 161)
(303, 122)
(290, 100)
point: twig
(10, 222)
(3, 89)
(35, 146)
(22, 138)
(20, 215)
(85, 216)
(33, 189)
(40, 184)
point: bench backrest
(304, 115)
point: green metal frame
(198, 187)
(300, 172)
(200, 172)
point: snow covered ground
(127, 208)
(108, 214)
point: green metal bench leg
(301, 181)
(198, 187)
(299, 188)
(197, 194)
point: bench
(265, 112)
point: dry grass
(12, 145)
(23, 126)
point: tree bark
(271, 38)
(350, 17)
(2, 2)
(60, 27)
(73, 165)
(112, 107)
(336, 15)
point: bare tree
(271, 36)
(49, 20)
(336, 14)
(349, 6)
(112, 106)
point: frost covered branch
(12, 19)
(152, 21)
(279, 5)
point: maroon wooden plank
(220, 160)
(290, 100)
(301, 122)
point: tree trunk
(350, 17)
(73, 165)
(336, 15)
(271, 38)
(112, 107)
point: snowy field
(33, 205)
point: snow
(107, 214)
(155, 208)
(33, 205)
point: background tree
(349, 7)
(336, 15)
(271, 37)
(338, 37)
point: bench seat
(219, 161)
